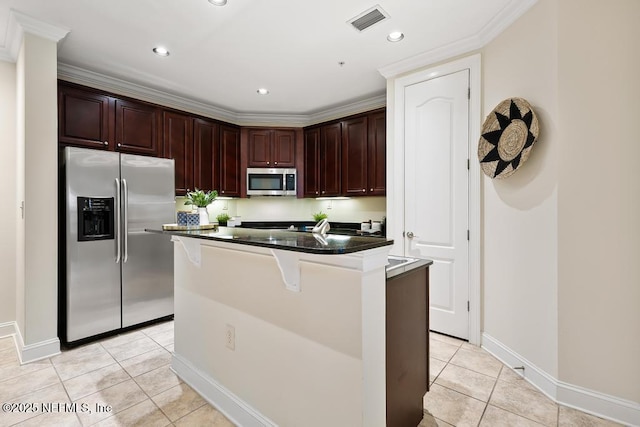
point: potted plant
(318, 216)
(222, 219)
(201, 200)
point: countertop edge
(401, 271)
(366, 243)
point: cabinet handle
(119, 145)
(267, 162)
(106, 143)
(275, 163)
(364, 190)
(316, 192)
(371, 189)
(322, 191)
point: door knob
(411, 235)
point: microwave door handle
(117, 226)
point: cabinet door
(354, 157)
(178, 145)
(311, 180)
(206, 159)
(83, 118)
(284, 148)
(138, 128)
(377, 154)
(259, 148)
(330, 141)
(229, 161)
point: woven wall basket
(508, 135)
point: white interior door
(437, 193)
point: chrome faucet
(322, 227)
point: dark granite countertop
(403, 269)
(329, 244)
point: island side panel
(298, 357)
(407, 312)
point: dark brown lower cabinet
(407, 347)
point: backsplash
(356, 209)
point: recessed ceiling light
(160, 51)
(263, 91)
(218, 2)
(395, 36)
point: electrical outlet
(230, 337)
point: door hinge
(467, 234)
(468, 306)
(468, 164)
(469, 93)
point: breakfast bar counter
(283, 328)
(296, 241)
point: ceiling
(220, 56)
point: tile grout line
(64, 388)
(490, 395)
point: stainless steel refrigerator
(113, 274)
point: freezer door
(91, 290)
(147, 268)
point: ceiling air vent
(368, 18)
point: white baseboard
(235, 409)
(31, 352)
(593, 402)
(8, 329)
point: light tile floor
(130, 373)
(469, 387)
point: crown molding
(118, 86)
(507, 16)
(368, 104)
(18, 24)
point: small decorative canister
(182, 217)
(193, 219)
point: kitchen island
(283, 328)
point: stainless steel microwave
(271, 182)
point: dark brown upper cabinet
(330, 147)
(271, 148)
(364, 155)
(354, 156)
(89, 118)
(322, 161)
(311, 178)
(377, 152)
(230, 177)
(178, 145)
(346, 157)
(138, 128)
(83, 118)
(206, 158)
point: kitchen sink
(394, 262)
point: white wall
(520, 224)
(8, 192)
(561, 280)
(599, 196)
(38, 68)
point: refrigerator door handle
(125, 221)
(117, 228)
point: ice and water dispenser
(95, 218)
